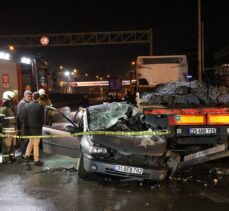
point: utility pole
(200, 47)
(151, 42)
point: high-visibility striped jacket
(8, 118)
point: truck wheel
(81, 170)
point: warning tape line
(110, 133)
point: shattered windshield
(106, 115)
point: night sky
(174, 24)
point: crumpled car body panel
(105, 116)
(128, 145)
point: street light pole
(199, 42)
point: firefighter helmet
(41, 92)
(8, 95)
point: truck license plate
(128, 169)
(200, 131)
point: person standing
(33, 120)
(45, 101)
(9, 125)
(20, 110)
(44, 98)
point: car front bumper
(95, 166)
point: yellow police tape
(110, 133)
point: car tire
(82, 173)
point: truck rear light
(172, 120)
(184, 119)
(218, 119)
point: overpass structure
(80, 39)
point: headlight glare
(97, 150)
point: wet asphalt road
(63, 190)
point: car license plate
(128, 169)
(200, 131)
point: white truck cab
(154, 70)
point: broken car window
(106, 115)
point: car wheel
(81, 170)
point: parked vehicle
(11, 77)
(18, 77)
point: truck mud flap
(214, 153)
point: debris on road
(173, 160)
(60, 169)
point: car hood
(128, 145)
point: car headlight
(97, 150)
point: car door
(62, 124)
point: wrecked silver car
(137, 157)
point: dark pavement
(61, 189)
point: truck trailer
(199, 127)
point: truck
(199, 132)
(11, 76)
(16, 77)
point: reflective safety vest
(8, 120)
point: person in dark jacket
(45, 101)
(33, 120)
(20, 110)
(8, 122)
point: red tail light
(172, 120)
